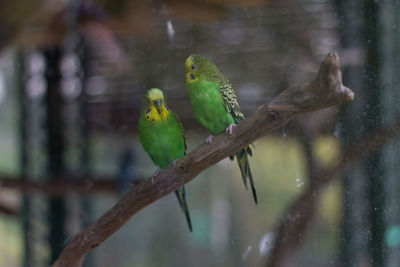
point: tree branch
(62, 186)
(325, 91)
(8, 210)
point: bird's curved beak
(158, 105)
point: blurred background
(72, 75)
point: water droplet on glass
(266, 243)
(170, 30)
(337, 131)
(246, 253)
(284, 135)
(299, 182)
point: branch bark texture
(325, 91)
(7, 210)
(62, 186)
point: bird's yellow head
(197, 65)
(154, 106)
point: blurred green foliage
(11, 242)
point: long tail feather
(181, 195)
(242, 158)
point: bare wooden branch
(296, 221)
(7, 210)
(62, 186)
(326, 90)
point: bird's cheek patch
(153, 115)
(189, 77)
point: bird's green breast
(208, 106)
(163, 140)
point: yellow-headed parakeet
(215, 106)
(162, 137)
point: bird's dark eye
(192, 76)
(193, 67)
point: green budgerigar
(162, 137)
(216, 107)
